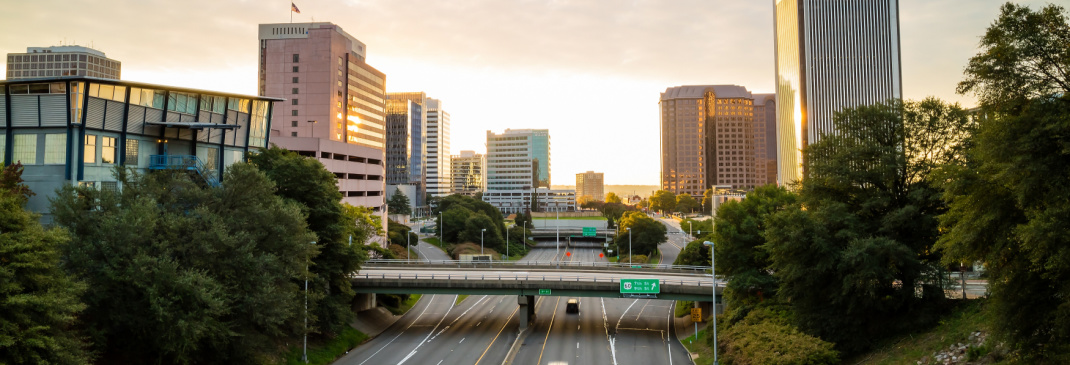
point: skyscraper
(830, 55)
(57, 61)
(335, 108)
(590, 184)
(406, 149)
(765, 138)
(708, 138)
(518, 169)
(438, 149)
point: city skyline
(485, 57)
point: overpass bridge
(529, 279)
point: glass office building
(76, 130)
(830, 55)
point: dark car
(573, 306)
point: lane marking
(668, 327)
(507, 321)
(462, 339)
(432, 299)
(548, 328)
(605, 324)
(625, 312)
(426, 338)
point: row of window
(55, 149)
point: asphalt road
(481, 328)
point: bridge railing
(526, 264)
(522, 277)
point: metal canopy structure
(196, 125)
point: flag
(294, 8)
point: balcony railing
(184, 162)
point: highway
(481, 329)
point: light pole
(689, 229)
(304, 352)
(557, 225)
(440, 223)
(713, 275)
(629, 244)
(507, 241)
(481, 240)
(406, 246)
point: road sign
(568, 253)
(544, 291)
(601, 254)
(639, 286)
(696, 315)
(590, 232)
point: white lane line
(668, 327)
(403, 331)
(462, 339)
(605, 324)
(440, 362)
(577, 345)
(426, 338)
(626, 312)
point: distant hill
(621, 190)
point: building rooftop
(64, 49)
(697, 91)
(144, 85)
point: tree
(707, 201)
(643, 204)
(399, 203)
(646, 233)
(183, 273)
(740, 243)
(523, 220)
(612, 197)
(685, 203)
(663, 201)
(39, 302)
(584, 201)
(696, 253)
(1003, 210)
(473, 232)
(458, 212)
(11, 181)
(862, 249)
(613, 212)
(307, 182)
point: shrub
(764, 337)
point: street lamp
(481, 240)
(304, 352)
(440, 223)
(629, 244)
(407, 246)
(713, 275)
(689, 229)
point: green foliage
(762, 339)
(326, 352)
(464, 219)
(646, 234)
(613, 211)
(307, 182)
(517, 241)
(855, 259)
(399, 203)
(523, 220)
(663, 201)
(39, 302)
(186, 274)
(1007, 206)
(741, 255)
(11, 181)
(699, 228)
(685, 203)
(612, 197)
(396, 233)
(474, 232)
(694, 254)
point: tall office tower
(707, 139)
(438, 149)
(405, 147)
(829, 55)
(765, 138)
(590, 184)
(57, 61)
(335, 104)
(518, 159)
(468, 173)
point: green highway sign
(639, 286)
(590, 231)
(544, 291)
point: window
(130, 158)
(55, 148)
(90, 149)
(293, 134)
(293, 101)
(297, 57)
(294, 91)
(107, 150)
(3, 148)
(293, 123)
(25, 149)
(293, 113)
(295, 68)
(295, 79)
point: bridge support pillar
(363, 301)
(527, 309)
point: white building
(438, 149)
(518, 201)
(57, 61)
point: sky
(589, 71)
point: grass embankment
(460, 298)
(955, 327)
(325, 351)
(699, 346)
(683, 308)
(404, 306)
(597, 218)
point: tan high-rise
(590, 184)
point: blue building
(75, 130)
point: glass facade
(829, 56)
(55, 148)
(25, 150)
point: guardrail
(529, 264)
(517, 277)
